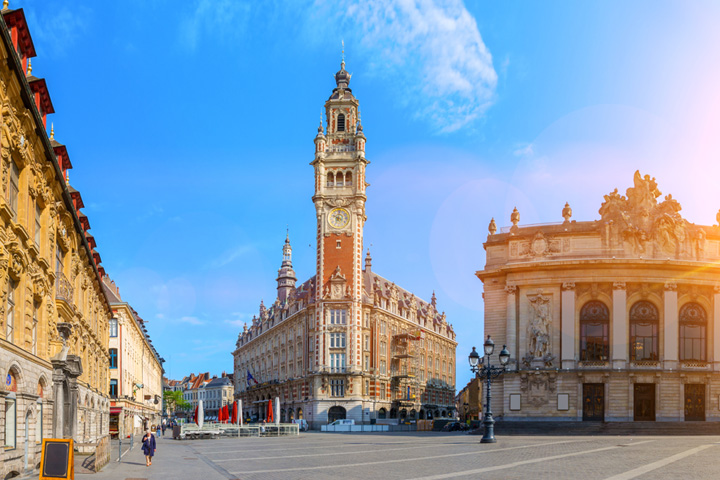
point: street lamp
(488, 372)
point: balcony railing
(63, 288)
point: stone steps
(604, 428)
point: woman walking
(148, 447)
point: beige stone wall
(641, 250)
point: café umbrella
(234, 417)
(270, 411)
(200, 414)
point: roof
(219, 382)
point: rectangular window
(337, 388)
(337, 340)
(113, 358)
(113, 388)
(14, 190)
(383, 391)
(367, 362)
(36, 309)
(10, 319)
(337, 362)
(367, 343)
(38, 226)
(367, 387)
(367, 320)
(337, 317)
(113, 327)
(383, 367)
(10, 423)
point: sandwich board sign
(56, 461)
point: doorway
(644, 402)
(593, 402)
(336, 413)
(694, 402)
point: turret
(286, 275)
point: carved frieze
(537, 386)
(539, 246)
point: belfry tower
(340, 207)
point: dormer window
(341, 123)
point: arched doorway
(336, 413)
(300, 414)
(382, 413)
(403, 414)
(422, 414)
(413, 413)
(393, 413)
(292, 415)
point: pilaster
(670, 327)
(619, 326)
(567, 328)
(716, 329)
(511, 325)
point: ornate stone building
(53, 313)
(347, 342)
(135, 369)
(613, 319)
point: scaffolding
(405, 369)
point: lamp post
(488, 372)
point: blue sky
(190, 126)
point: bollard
(119, 447)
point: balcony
(63, 288)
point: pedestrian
(164, 426)
(159, 430)
(148, 447)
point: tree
(174, 401)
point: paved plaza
(424, 456)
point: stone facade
(53, 313)
(613, 319)
(347, 343)
(135, 369)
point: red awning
(115, 410)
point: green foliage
(174, 400)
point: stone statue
(539, 326)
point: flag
(250, 377)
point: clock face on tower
(338, 218)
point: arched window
(348, 179)
(594, 324)
(382, 413)
(341, 123)
(330, 179)
(693, 325)
(644, 320)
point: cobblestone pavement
(426, 456)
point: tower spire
(286, 275)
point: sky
(190, 127)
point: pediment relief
(539, 246)
(337, 288)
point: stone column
(59, 403)
(619, 326)
(511, 325)
(567, 329)
(716, 329)
(671, 326)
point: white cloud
(191, 320)
(238, 319)
(226, 17)
(524, 150)
(430, 50)
(231, 255)
(55, 30)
